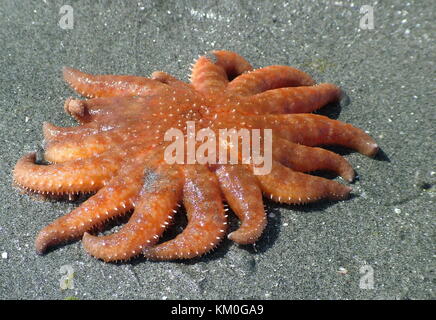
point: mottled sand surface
(316, 251)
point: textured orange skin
(93, 86)
(153, 211)
(206, 218)
(117, 151)
(111, 201)
(269, 78)
(244, 195)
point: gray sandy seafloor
(306, 252)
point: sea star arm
(73, 147)
(206, 218)
(113, 200)
(110, 109)
(285, 185)
(268, 78)
(109, 85)
(207, 77)
(294, 155)
(314, 130)
(304, 99)
(159, 196)
(243, 194)
(53, 133)
(232, 63)
(55, 136)
(87, 175)
(211, 74)
(306, 159)
(68, 148)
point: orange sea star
(117, 151)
